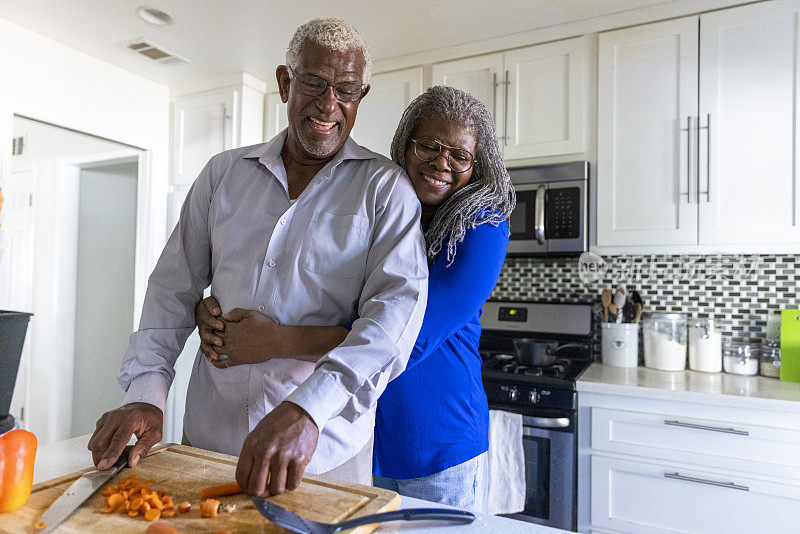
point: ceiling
(223, 37)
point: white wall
(104, 303)
(48, 81)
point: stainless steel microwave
(551, 217)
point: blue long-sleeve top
(435, 414)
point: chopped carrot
(184, 507)
(115, 499)
(133, 513)
(209, 508)
(40, 525)
(231, 488)
(152, 514)
(144, 507)
(168, 513)
(223, 532)
(160, 527)
(106, 510)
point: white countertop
(65, 457)
(694, 386)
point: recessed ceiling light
(154, 16)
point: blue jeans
(463, 486)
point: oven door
(549, 446)
(527, 220)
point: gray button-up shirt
(349, 250)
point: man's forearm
(307, 343)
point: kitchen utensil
(606, 298)
(619, 298)
(790, 345)
(293, 522)
(79, 491)
(628, 311)
(613, 312)
(182, 471)
(638, 313)
(532, 353)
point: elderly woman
(431, 428)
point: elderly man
(310, 229)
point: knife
(293, 522)
(78, 492)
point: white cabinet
(650, 465)
(697, 137)
(536, 95)
(275, 118)
(380, 111)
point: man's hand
(275, 454)
(206, 315)
(115, 428)
(247, 337)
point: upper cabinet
(275, 118)
(697, 133)
(536, 95)
(379, 112)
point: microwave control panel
(562, 213)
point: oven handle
(539, 208)
(544, 422)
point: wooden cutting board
(182, 472)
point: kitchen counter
(710, 388)
(64, 457)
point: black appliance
(551, 216)
(544, 395)
(13, 326)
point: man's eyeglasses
(428, 149)
(311, 85)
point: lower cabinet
(654, 466)
(642, 497)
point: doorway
(73, 267)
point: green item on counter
(790, 345)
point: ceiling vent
(155, 52)
(18, 146)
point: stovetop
(562, 373)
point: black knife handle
(410, 514)
(122, 461)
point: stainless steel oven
(551, 217)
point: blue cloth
(463, 486)
(435, 414)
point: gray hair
(331, 33)
(489, 196)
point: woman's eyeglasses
(311, 85)
(428, 149)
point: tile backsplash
(739, 291)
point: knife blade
(78, 492)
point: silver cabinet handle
(539, 208)
(675, 422)
(688, 131)
(707, 128)
(494, 94)
(544, 422)
(730, 485)
(505, 110)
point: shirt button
(261, 307)
(271, 263)
(247, 409)
(282, 221)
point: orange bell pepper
(17, 451)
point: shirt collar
(270, 152)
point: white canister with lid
(740, 359)
(705, 346)
(664, 341)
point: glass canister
(740, 358)
(665, 341)
(705, 345)
(770, 360)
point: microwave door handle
(539, 209)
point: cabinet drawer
(643, 497)
(708, 442)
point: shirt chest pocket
(335, 245)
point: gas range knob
(513, 393)
(534, 396)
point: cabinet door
(275, 120)
(202, 127)
(646, 497)
(482, 77)
(748, 187)
(647, 92)
(380, 111)
(545, 108)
